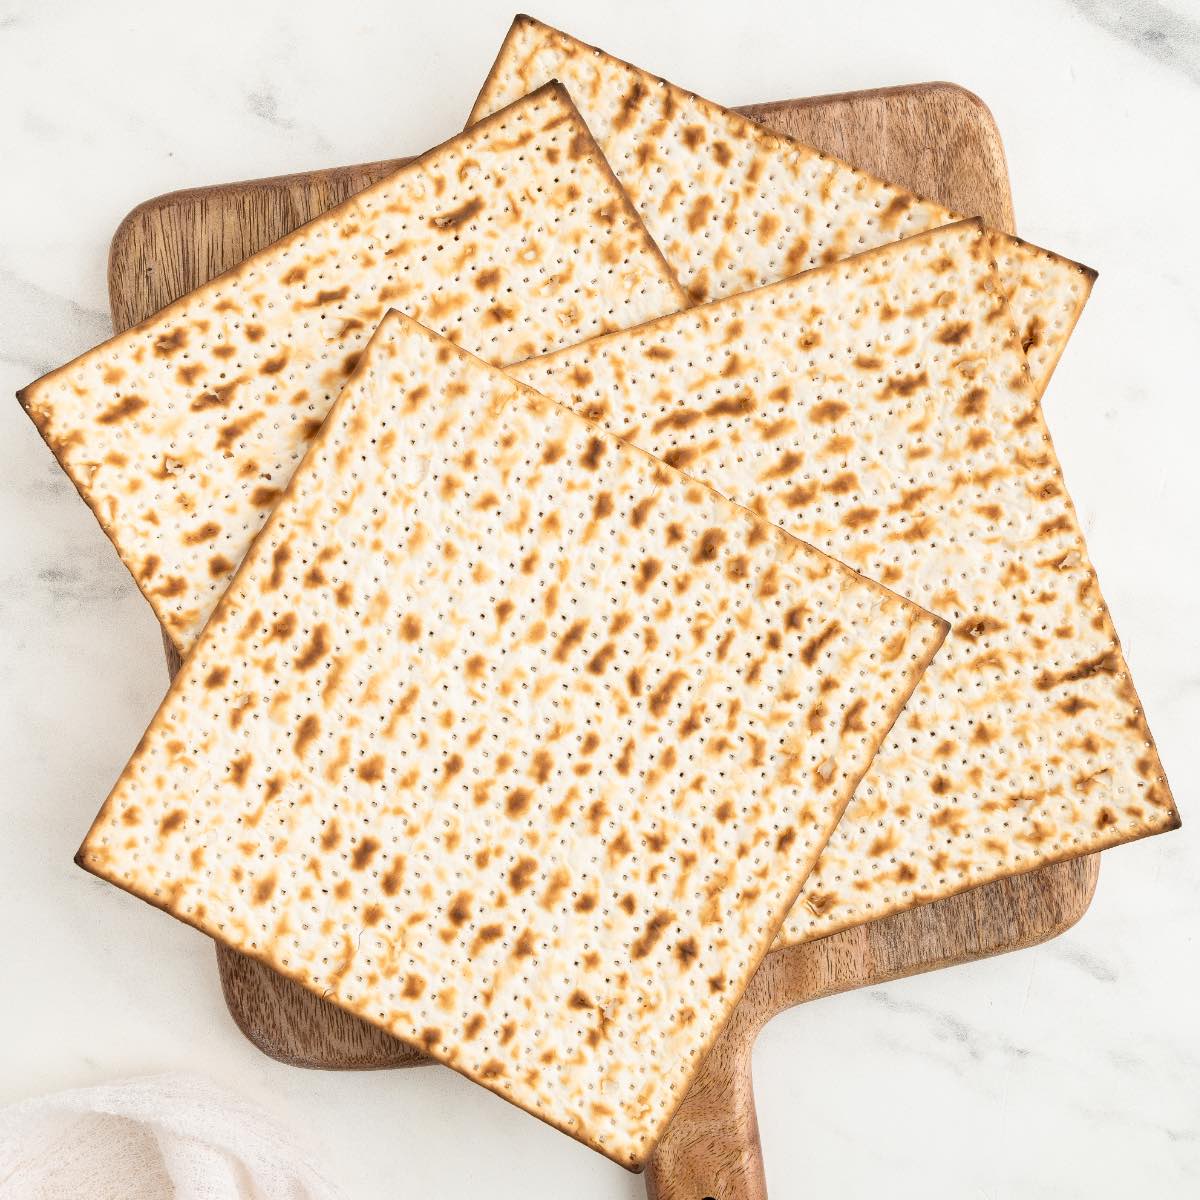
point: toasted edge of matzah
(785, 941)
(935, 631)
(28, 396)
(1004, 245)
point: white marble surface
(1073, 1069)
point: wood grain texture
(941, 142)
(936, 139)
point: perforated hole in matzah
(734, 205)
(512, 740)
(881, 409)
(511, 239)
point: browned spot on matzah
(308, 729)
(654, 930)
(122, 409)
(460, 215)
(521, 875)
(172, 821)
(315, 650)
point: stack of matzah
(522, 706)
(906, 439)
(734, 206)
(511, 240)
(493, 738)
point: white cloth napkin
(164, 1137)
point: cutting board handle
(711, 1149)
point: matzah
(497, 740)
(881, 409)
(512, 239)
(734, 205)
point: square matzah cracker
(734, 205)
(512, 239)
(512, 740)
(881, 409)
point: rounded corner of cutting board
(172, 243)
(957, 92)
(129, 262)
(122, 248)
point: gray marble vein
(43, 330)
(1156, 30)
(1092, 964)
(263, 103)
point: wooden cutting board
(934, 138)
